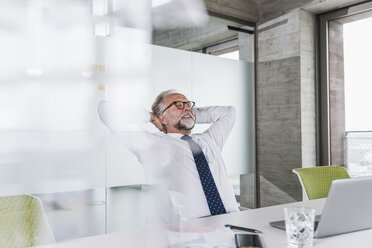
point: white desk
(276, 238)
(257, 218)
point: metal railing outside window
(358, 152)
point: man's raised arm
(222, 119)
(128, 127)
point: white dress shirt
(168, 158)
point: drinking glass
(299, 222)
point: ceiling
(263, 10)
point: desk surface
(276, 238)
(256, 218)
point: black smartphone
(245, 240)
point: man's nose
(187, 106)
(188, 110)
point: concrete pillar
(337, 92)
(285, 98)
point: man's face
(180, 119)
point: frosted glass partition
(54, 73)
(207, 80)
(219, 81)
(171, 69)
(210, 80)
(44, 150)
(50, 142)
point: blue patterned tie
(214, 201)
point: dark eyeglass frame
(191, 104)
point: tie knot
(186, 137)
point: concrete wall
(191, 38)
(308, 106)
(285, 98)
(337, 92)
(242, 9)
(264, 10)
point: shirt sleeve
(222, 119)
(130, 131)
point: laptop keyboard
(281, 223)
(316, 222)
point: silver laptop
(348, 208)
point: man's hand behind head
(155, 120)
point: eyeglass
(180, 105)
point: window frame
(323, 77)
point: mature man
(193, 166)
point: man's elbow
(232, 111)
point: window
(226, 49)
(345, 62)
(230, 55)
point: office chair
(23, 222)
(316, 181)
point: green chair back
(317, 180)
(23, 222)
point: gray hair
(158, 106)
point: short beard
(183, 126)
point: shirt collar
(175, 135)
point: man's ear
(163, 119)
